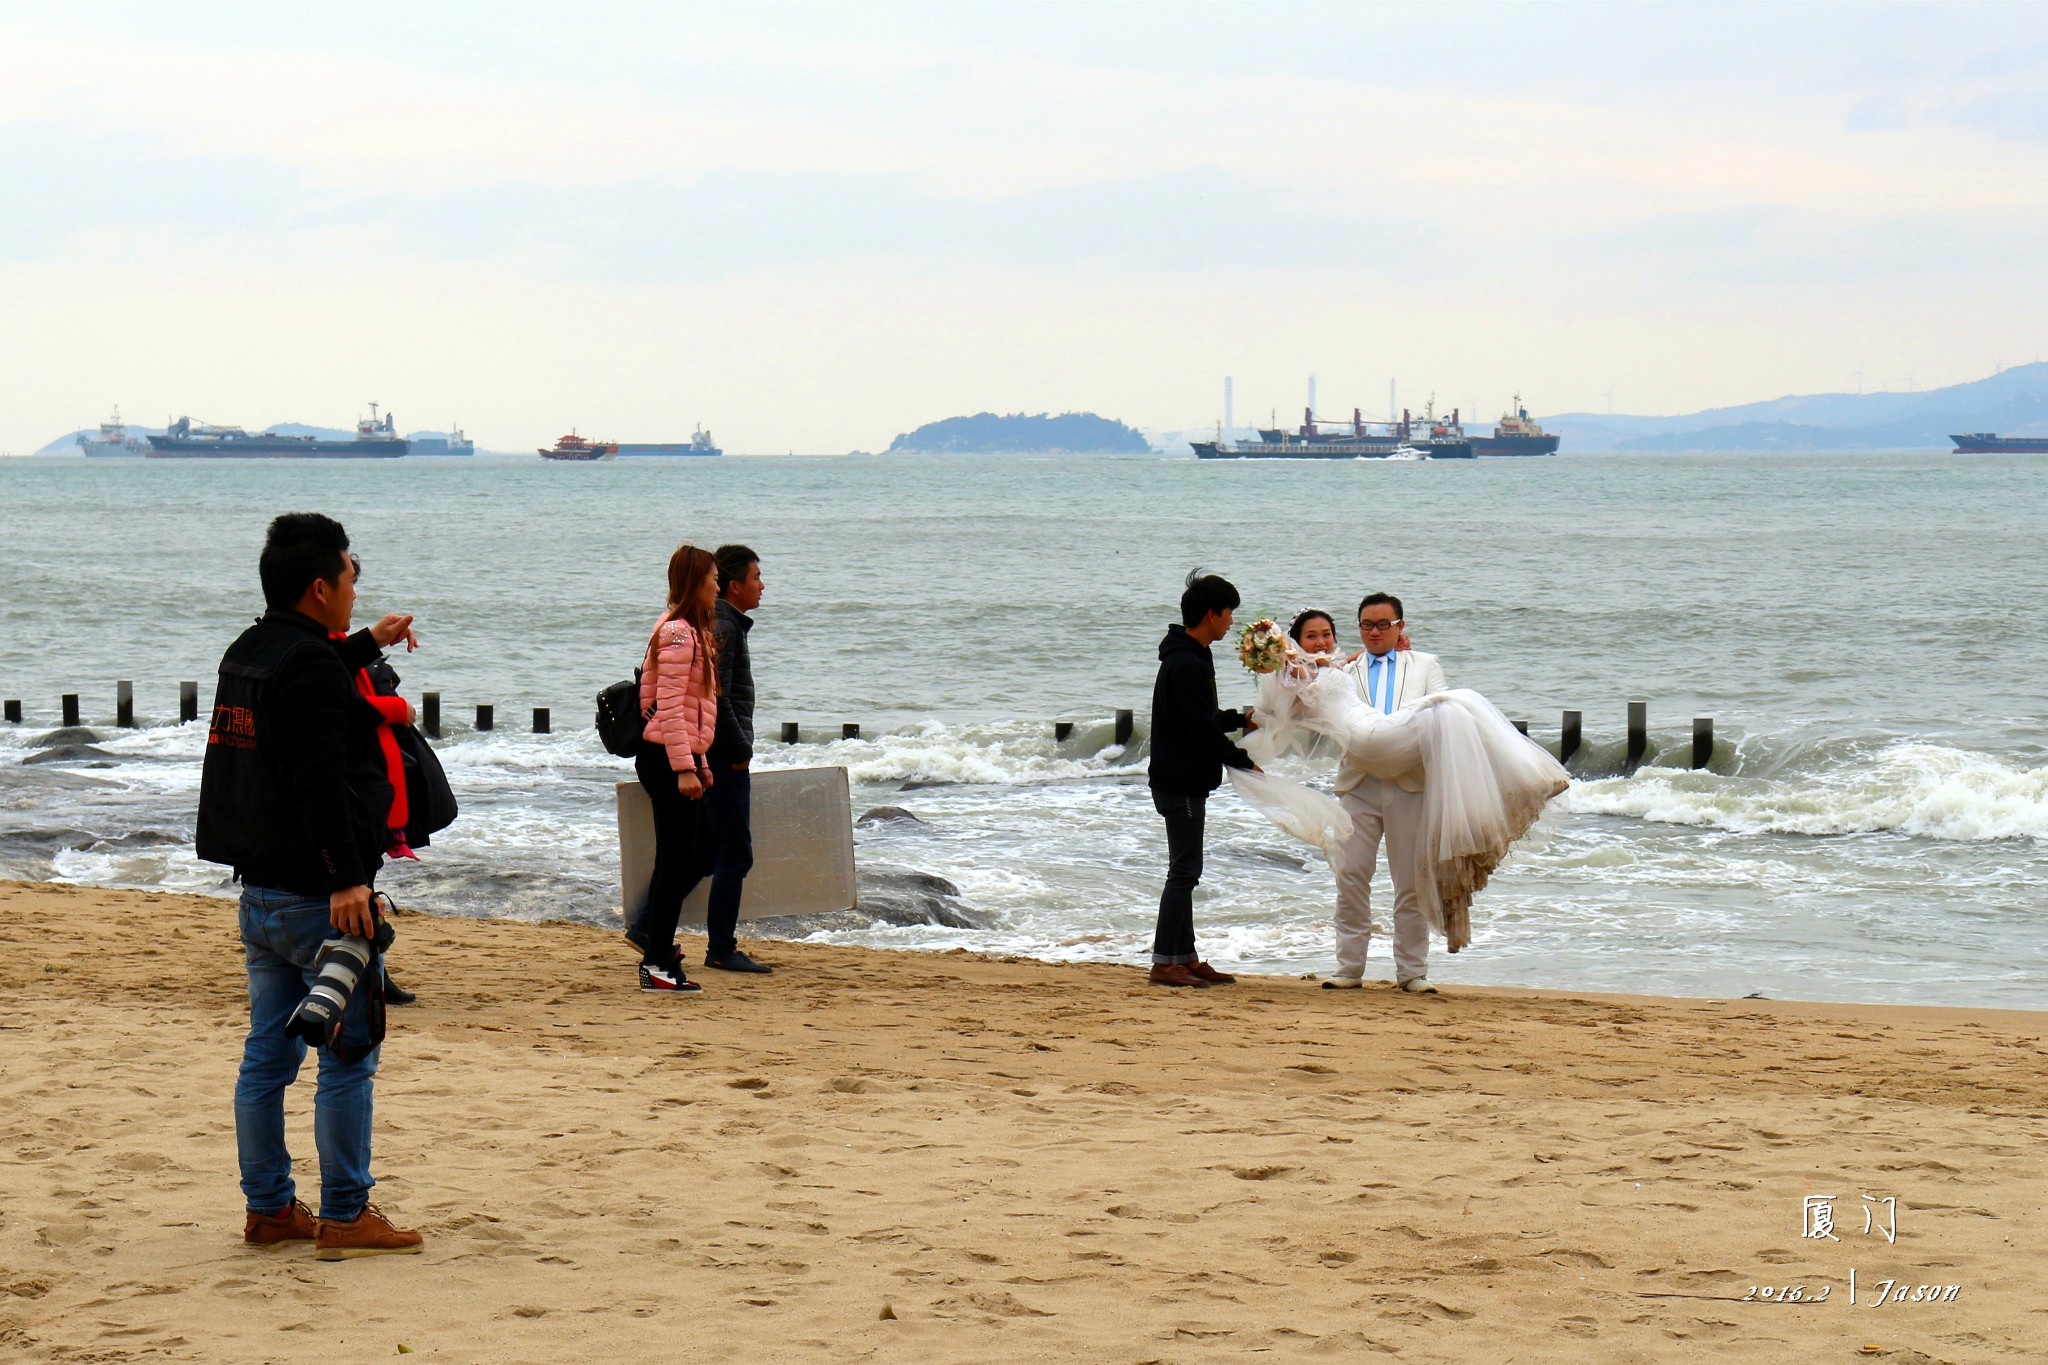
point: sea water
(1865, 630)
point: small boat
(1407, 453)
(574, 447)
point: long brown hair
(687, 569)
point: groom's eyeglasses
(357, 565)
(1377, 626)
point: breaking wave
(1927, 790)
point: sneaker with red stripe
(670, 979)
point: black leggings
(678, 823)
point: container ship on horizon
(1432, 438)
(1986, 443)
(700, 443)
(450, 442)
(186, 439)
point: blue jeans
(281, 935)
(728, 814)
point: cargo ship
(1432, 438)
(1986, 443)
(113, 439)
(574, 447)
(1515, 434)
(700, 443)
(376, 438)
(453, 443)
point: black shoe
(395, 994)
(737, 961)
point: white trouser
(1378, 807)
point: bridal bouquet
(1262, 647)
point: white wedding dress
(1485, 783)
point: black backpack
(620, 722)
(429, 799)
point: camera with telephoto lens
(339, 969)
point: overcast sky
(812, 227)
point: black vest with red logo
(291, 786)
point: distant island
(986, 433)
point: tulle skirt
(1485, 784)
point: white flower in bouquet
(1262, 646)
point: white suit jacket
(1416, 675)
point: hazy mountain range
(2013, 402)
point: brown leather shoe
(370, 1234)
(1211, 975)
(1174, 974)
(293, 1223)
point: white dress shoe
(1342, 983)
(1420, 986)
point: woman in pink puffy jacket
(679, 697)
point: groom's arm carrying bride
(1388, 679)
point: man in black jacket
(1189, 752)
(293, 796)
(728, 805)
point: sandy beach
(947, 1157)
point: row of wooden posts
(1569, 732)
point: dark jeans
(729, 850)
(678, 821)
(1174, 938)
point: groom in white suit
(1388, 678)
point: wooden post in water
(430, 714)
(13, 711)
(188, 701)
(1568, 736)
(789, 732)
(1062, 731)
(1125, 722)
(485, 716)
(540, 720)
(70, 702)
(1702, 741)
(124, 705)
(850, 730)
(1638, 735)
(1521, 725)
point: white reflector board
(803, 847)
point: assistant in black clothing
(1190, 749)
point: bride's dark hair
(1301, 622)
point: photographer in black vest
(293, 797)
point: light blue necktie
(1382, 697)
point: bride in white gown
(1485, 784)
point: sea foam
(1928, 790)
